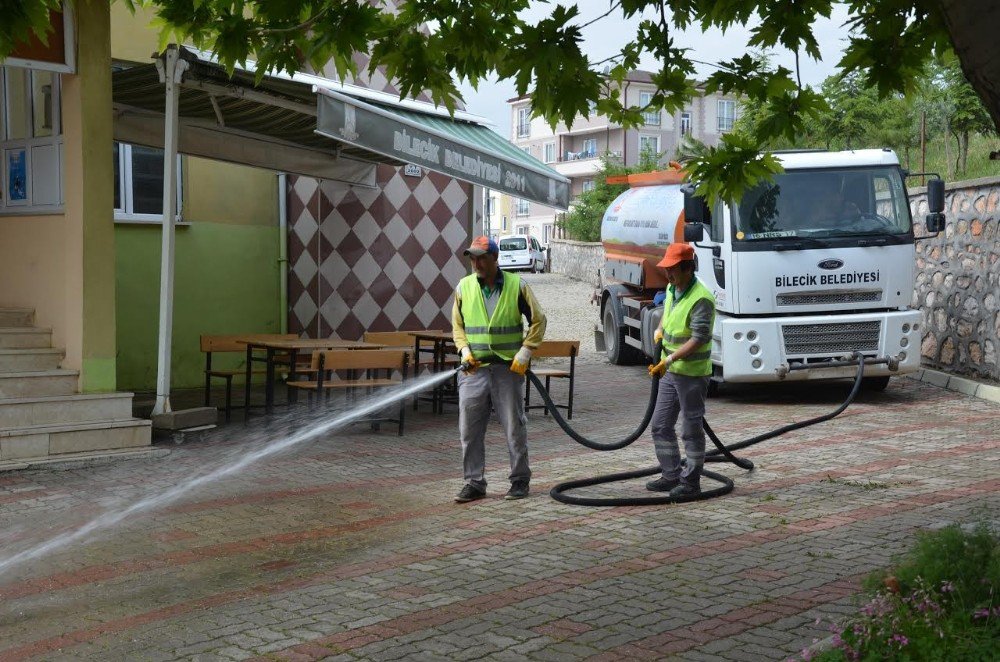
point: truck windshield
(514, 244)
(825, 203)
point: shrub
(941, 602)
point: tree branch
(301, 27)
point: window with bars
(726, 114)
(650, 144)
(523, 207)
(685, 123)
(650, 117)
(523, 122)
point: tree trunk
(972, 28)
(963, 148)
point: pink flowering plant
(941, 602)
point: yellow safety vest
(676, 331)
(500, 335)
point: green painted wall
(226, 281)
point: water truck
(805, 268)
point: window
(650, 144)
(686, 123)
(588, 185)
(727, 115)
(589, 148)
(651, 117)
(503, 223)
(546, 233)
(550, 152)
(523, 207)
(526, 149)
(521, 229)
(139, 183)
(30, 141)
(523, 122)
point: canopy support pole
(171, 69)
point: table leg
(269, 381)
(246, 382)
(293, 393)
(438, 367)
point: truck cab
(806, 269)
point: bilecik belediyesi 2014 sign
(370, 127)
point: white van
(521, 251)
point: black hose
(722, 453)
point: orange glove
(660, 368)
(469, 360)
(658, 336)
(522, 361)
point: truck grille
(830, 338)
(816, 298)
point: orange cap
(676, 253)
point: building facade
(575, 152)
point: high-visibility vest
(676, 331)
(500, 335)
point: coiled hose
(721, 453)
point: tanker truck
(806, 269)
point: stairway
(42, 418)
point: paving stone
(350, 547)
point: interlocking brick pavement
(349, 546)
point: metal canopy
(463, 150)
(269, 125)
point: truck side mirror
(935, 196)
(693, 232)
(935, 205)
(695, 208)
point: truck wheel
(614, 340)
(875, 384)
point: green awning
(463, 150)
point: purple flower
(947, 587)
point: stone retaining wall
(577, 259)
(958, 280)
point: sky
(606, 37)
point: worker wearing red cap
(684, 368)
(488, 331)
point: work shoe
(469, 493)
(518, 490)
(685, 489)
(661, 484)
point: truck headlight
(751, 336)
(906, 328)
(903, 342)
(756, 363)
(737, 336)
(754, 350)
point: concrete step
(30, 359)
(14, 337)
(65, 409)
(43, 382)
(17, 317)
(51, 441)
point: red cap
(481, 246)
(676, 253)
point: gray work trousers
(492, 387)
(681, 397)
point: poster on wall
(17, 175)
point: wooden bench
(553, 349)
(216, 344)
(353, 361)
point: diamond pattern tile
(378, 259)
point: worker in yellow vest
(489, 334)
(684, 368)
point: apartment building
(575, 152)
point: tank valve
(893, 363)
(782, 371)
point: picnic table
(290, 348)
(439, 342)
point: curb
(964, 385)
(81, 460)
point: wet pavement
(349, 546)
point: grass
(978, 164)
(940, 602)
